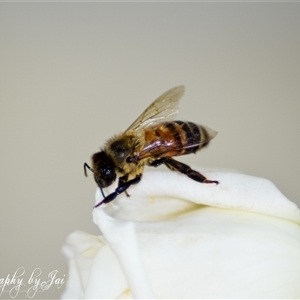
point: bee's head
(104, 171)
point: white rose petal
(176, 238)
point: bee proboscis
(152, 139)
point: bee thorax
(120, 148)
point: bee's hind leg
(175, 165)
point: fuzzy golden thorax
(120, 147)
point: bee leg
(122, 180)
(175, 165)
(122, 187)
(156, 163)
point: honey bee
(152, 139)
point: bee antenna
(101, 191)
(87, 166)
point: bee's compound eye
(108, 176)
(103, 166)
(107, 173)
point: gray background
(73, 74)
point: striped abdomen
(175, 138)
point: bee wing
(164, 108)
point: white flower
(176, 238)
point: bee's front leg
(122, 187)
(122, 180)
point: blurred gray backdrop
(73, 74)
